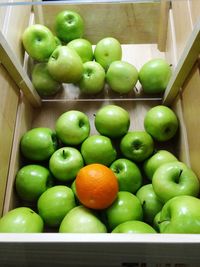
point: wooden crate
(147, 29)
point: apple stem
(180, 172)
(64, 154)
(136, 89)
(170, 65)
(159, 222)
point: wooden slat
(185, 64)
(13, 66)
(128, 22)
(194, 6)
(163, 24)
(9, 96)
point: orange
(96, 186)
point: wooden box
(147, 29)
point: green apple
(181, 214)
(174, 179)
(128, 175)
(81, 220)
(65, 65)
(38, 144)
(31, 181)
(65, 163)
(121, 76)
(21, 220)
(72, 127)
(155, 75)
(58, 41)
(106, 51)
(44, 84)
(55, 203)
(83, 47)
(69, 25)
(134, 227)
(39, 42)
(112, 121)
(161, 123)
(98, 149)
(93, 78)
(125, 208)
(151, 204)
(137, 145)
(160, 157)
(156, 222)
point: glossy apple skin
(137, 145)
(174, 179)
(106, 51)
(126, 207)
(55, 203)
(134, 227)
(112, 121)
(155, 75)
(121, 76)
(31, 181)
(21, 220)
(161, 123)
(81, 220)
(83, 48)
(69, 25)
(156, 222)
(65, 65)
(155, 161)
(72, 127)
(181, 214)
(98, 149)
(151, 204)
(38, 144)
(39, 42)
(44, 84)
(93, 78)
(65, 163)
(128, 175)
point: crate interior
(135, 25)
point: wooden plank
(185, 64)
(13, 66)
(191, 111)
(194, 6)
(128, 22)
(182, 24)
(163, 24)
(9, 96)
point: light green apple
(55, 203)
(155, 75)
(98, 149)
(156, 222)
(65, 65)
(126, 207)
(134, 227)
(112, 121)
(181, 214)
(174, 179)
(83, 48)
(128, 175)
(137, 145)
(161, 123)
(39, 42)
(156, 160)
(93, 78)
(151, 204)
(31, 181)
(65, 163)
(81, 220)
(106, 51)
(43, 82)
(121, 76)
(38, 144)
(72, 127)
(69, 25)
(21, 220)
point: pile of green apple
(157, 192)
(64, 56)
